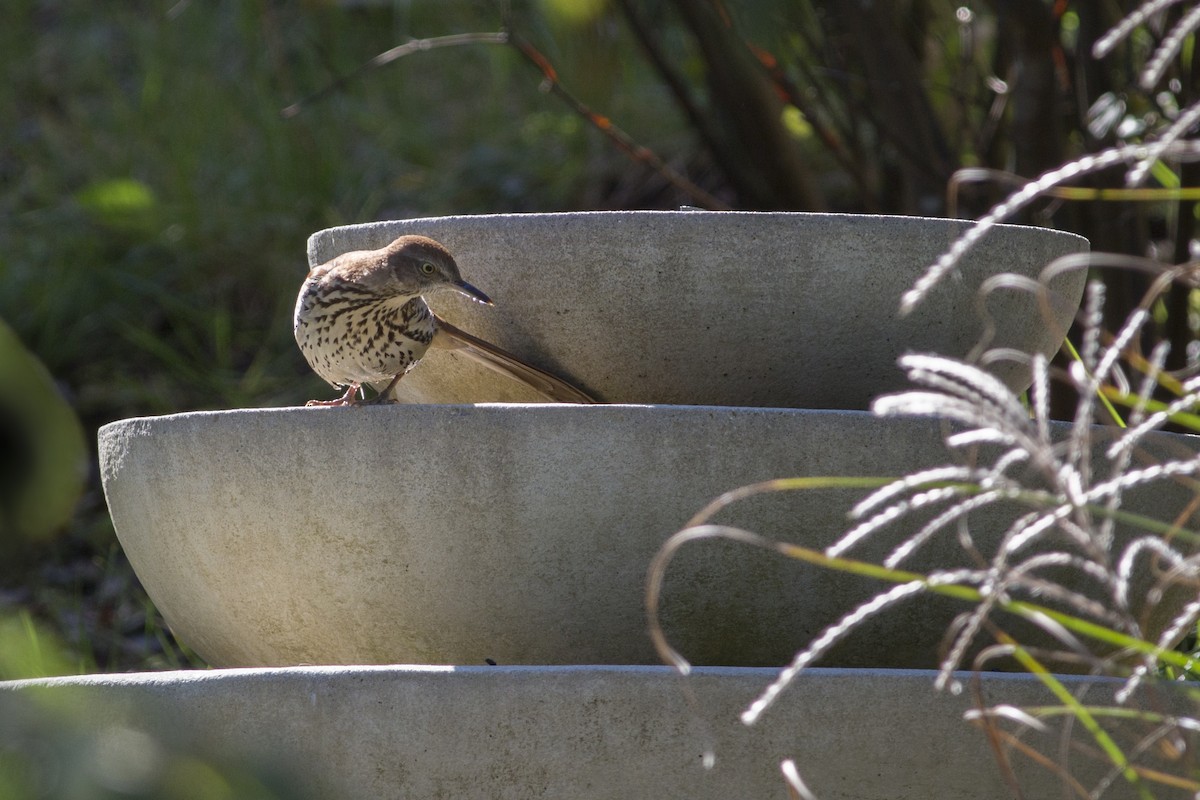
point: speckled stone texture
(520, 533)
(386, 733)
(719, 308)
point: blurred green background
(155, 202)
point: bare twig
(673, 78)
(637, 152)
(387, 57)
(617, 136)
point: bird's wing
(449, 337)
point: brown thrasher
(361, 318)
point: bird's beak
(473, 293)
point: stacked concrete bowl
(473, 526)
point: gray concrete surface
(454, 534)
(717, 308)
(385, 733)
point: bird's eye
(427, 268)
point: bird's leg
(346, 399)
(382, 397)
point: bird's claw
(350, 398)
(339, 402)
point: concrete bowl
(719, 308)
(517, 533)
(512, 733)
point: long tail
(449, 337)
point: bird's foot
(339, 402)
(350, 398)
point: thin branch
(620, 138)
(675, 82)
(617, 136)
(792, 93)
(387, 57)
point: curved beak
(470, 291)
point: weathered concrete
(719, 308)
(454, 534)
(365, 733)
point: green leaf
(122, 204)
(574, 12)
(26, 651)
(795, 123)
(43, 455)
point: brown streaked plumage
(361, 318)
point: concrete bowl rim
(698, 214)
(566, 408)
(647, 671)
(499, 408)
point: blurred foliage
(84, 746)
(27, 650)
(43, 458)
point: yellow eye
(427, 268)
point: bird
(362, 319)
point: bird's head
(417, 265)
